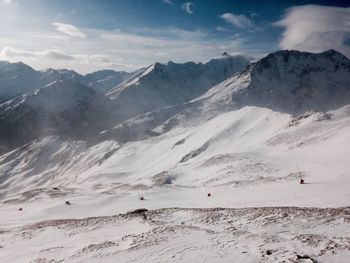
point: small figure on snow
(302, 181)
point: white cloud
(115, 49)
(169, 2)
(58, 59)
(69, 30)
(188, 7)
(252, 15)
(171, 43)
(121, 50)
(316, 28)
(6, 2)
(9, 52)
(161, 54)
(240, 21)
(221, 29)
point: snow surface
(258, 170)
(187, 235)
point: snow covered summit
(289, 81)
(161, 85)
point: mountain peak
(16, 66)
(225, 54)
(334, 54)
(285, 60)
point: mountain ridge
(293, 82)
(160, 85)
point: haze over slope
(86, 111)
(240, 116)
(62, 107)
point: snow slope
(246, 146)
(286, 81)
(242, 161)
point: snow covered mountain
(17, 79)
(104, 80)
(63, 107)
(286, 81)
(161, 85)
(163, 96)
(289, 81)
(24, 119)
(266, 103)
(246, 141)
(51, 75)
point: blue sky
(88, 35)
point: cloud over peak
(69, 30)
(316, 28)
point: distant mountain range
(39, 103)
(176, 132)
(131, 106)
(18, 79)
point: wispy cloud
(9, 52)
(240, 21)
(115, 49)
(6, 2)
(221, 29)
(188, 7)
(36, 41)
(69, 30)
(316, 28)
(252, 15)
(60, 59)
(169, 2)
(121, 50)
